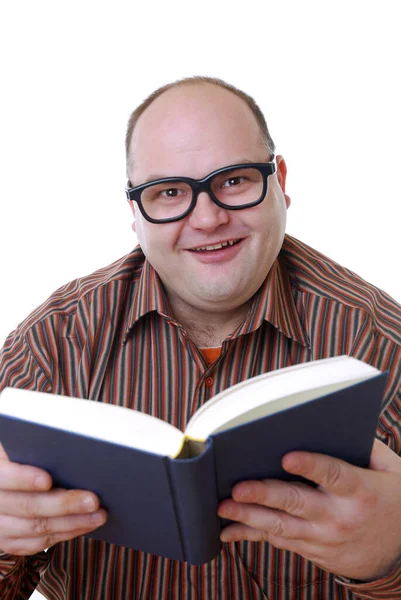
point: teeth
(216, 246)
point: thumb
(384, 459)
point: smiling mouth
(212, 247)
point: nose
(207, 215)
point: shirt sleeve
(18, 365)
(19, 575)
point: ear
(282, 176)
(132, 205)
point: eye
(172, 193)
(233, 181)
(168, 193)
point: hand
(34, 517)
(349, 525)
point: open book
(161, 486)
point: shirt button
(209, 381)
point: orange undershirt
(211, 354)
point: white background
(326, 75)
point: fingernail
(88, 503)
(243, 494)
(40, 481)
(98, 518)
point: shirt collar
(148, 296)
(274, 303)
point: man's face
(191, 131)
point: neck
(208, 329)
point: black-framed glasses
(173, 198)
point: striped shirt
(111, 337)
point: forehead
(192, 130)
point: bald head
(177, 129)
(180, 103)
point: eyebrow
(156, 176)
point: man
(222, 295)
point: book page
(107, 422)
(276, 391)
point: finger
(331, 474)
(269, 522)
(14, 476)
(384, 459)
(296, 498)
(20, 528)
(238, 532)
(55, 503)
(29, 546)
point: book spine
(194, 488)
